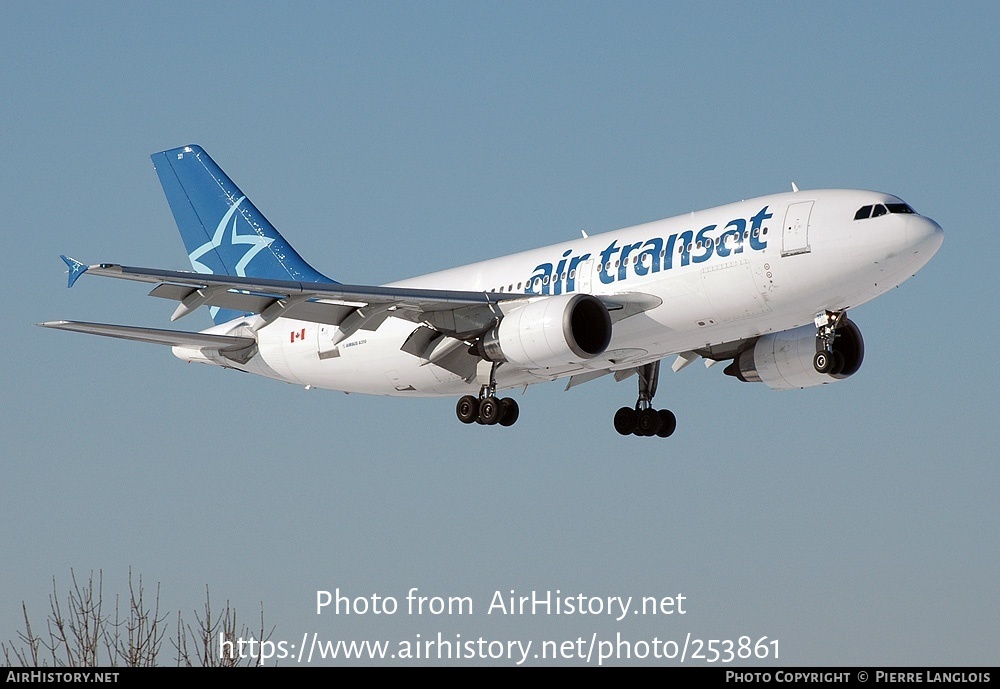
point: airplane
(764, 284)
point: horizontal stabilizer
(174, 338)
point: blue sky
(856, 523)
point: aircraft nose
(925, 236)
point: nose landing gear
(643, 420)
(827, 359)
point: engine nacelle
(550, 332)
(784, 360)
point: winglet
(76, 269)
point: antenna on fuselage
(795, 188)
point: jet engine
(549, 332)
(784, 360)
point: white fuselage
(718, 276)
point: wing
(351, 307)
(458, 314)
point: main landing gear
(827, 359)
(488, 409)
(643, 420)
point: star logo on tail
(255, 242)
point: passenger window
(879, 210)
(863, 213)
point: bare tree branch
(87, 636)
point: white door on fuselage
(795, 231)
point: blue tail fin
(223, 232)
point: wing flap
(581, 378)
(313, 311)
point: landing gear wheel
(838, 363)
(490, 410)
(668, 423)
(828, 360)
(510, 412)
(648, 423)
(625, 420)
(643, 419)
(467, 409)
(823, 362)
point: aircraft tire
(668, 423)
(625, 419)
(648, 422)
(467, 409)
(510, 411)
(822, 362)
(490, 411)
(838, 363)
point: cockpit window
(878, 209)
